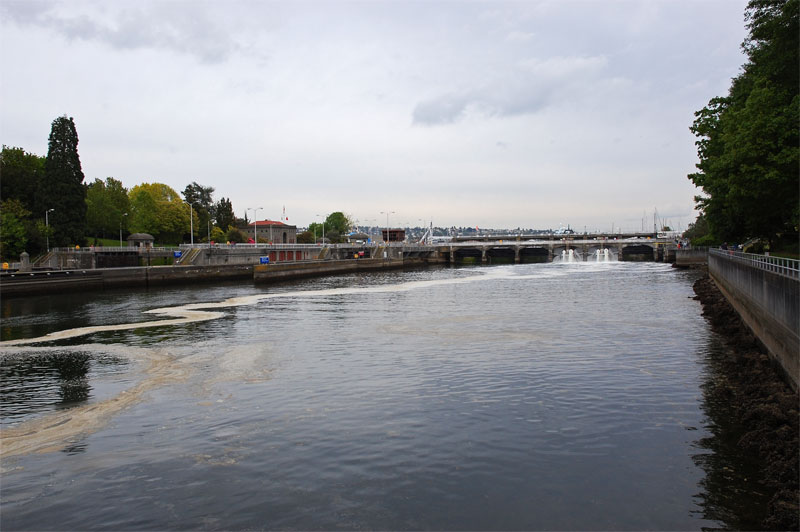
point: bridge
(556, 247)
(568, 248)
(498, 249)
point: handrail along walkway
(782, 266)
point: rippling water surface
(542, 396)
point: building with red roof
(272, 232)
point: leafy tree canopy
(159, 210)
(748, 146)
(235, 235)
(339, 222)
(13, 237)
(20, 175)
(306, 237)
(217, 235)
(106, 205)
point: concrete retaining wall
(140, 276)
(768, 303)
(691, 257)
(279, 272)
(24, 284)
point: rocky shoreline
(763, 401)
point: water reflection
(43, 381)
(732, 491)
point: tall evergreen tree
(62, 188)
(224, 217)
(202, 202)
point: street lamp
(47, 227)
(191, 223)
(120, 228)
(387, 213)
(323, 229)
(255, 222)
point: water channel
(540, 396)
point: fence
(782, 266)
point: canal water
(539, 396)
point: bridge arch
(533, 254)
(468, 255)
(638, 252)
(501, 255)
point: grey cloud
(526, 88)
(23, 12)
(443, 110)
(167, 26)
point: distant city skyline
(467, 114)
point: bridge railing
(782, 266)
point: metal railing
(786, 267)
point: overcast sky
(489, 114)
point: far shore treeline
(45, 200)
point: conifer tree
(62, 188)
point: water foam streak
(196, 312)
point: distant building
(140, 240)
(394, 235)
(272, 231)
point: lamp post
(323, 229)
(387, 213)
(255, 222)
(120, 228)
(191, 223)
(47, 227)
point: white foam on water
(181, 316)
(196, 312)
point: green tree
(315, 229)
(62, 188)
(339, 222)
(235, 235)
(22, 173)
(106, 204)
(223, 214)
(306, 237)
(13, 236)
(217, 235)
(202, 202)
(749, 147)
(698, 233)
(159, 210)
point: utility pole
(47, 227)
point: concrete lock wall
(688, 257)
(768, 303)
(279, 272)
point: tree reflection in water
(734, 492)
(43, 381)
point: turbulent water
(541, 396)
